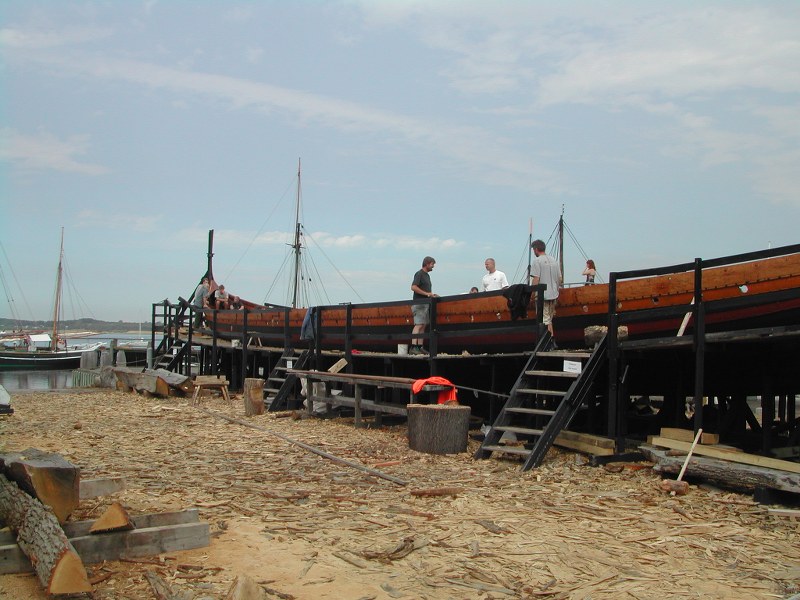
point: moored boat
(34, 351)
(63, 358)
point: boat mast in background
(297, 245)
(57, 306)
(561, 242)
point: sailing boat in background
(43, 351)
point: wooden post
(357, 416)
(253, 396)
(57, 564)
(438, 428)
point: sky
(662, 131)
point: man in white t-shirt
(494, 279)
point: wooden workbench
(359, 381)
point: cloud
(89, 218)
(253, 55)
(43, 151)
(322, 239)
(31, 40)
(487, 156)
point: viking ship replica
(650, 330)
(746, 291)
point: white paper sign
(572, 366)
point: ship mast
(561, 242)
(57, 308)
(297, 242)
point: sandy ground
(304, 526)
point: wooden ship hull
(740, 295)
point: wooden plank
(790, 513)
(119, 544)
(586, 438)
(210, 379)
(94, 488)
(687, 435)
(739, 457)
(583, 447)
(395, 409)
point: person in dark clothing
(422, 288)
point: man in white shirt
(494, 279)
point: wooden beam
(12, 560)
(94, 488)
(580, 446)
(585, 438)
(687, 435)
(96, 548)
(738, 457)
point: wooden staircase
(548, 393)
(280, 385)
(170, 351)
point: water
(14, 381)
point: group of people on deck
(545, 269)
(218, 299)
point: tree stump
(39, 535)
(46, 476)
(253, 396)
(438, 428)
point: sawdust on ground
(304, 526)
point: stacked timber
(39, 489)
(723, 465)
(47, 493)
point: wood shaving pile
(303, 526)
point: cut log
(253, 396)
(438, 428)
(737, 476)
(39, 535)
(46, 476)
(739, 457)
(115, 518)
